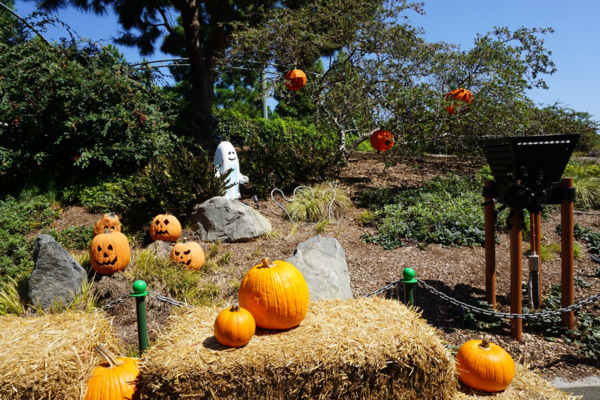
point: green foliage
(446, 211)
(98, 198)
(591, 238)
(10, 298)
(73, 237)
(315, 204)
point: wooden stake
(490, 249)
(567, 260)
(536, 246)
(516, 294)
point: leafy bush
(73, 237)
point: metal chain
(158, 296)
(387, 287)
(121, 299)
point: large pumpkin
(459, 94)
(485, 366)
(295, 79)
(382, 140)
(234, 327)
(165, 227)
(108, 221)
(188, 253)
(109, 252)
(113, 380)
(275, 293)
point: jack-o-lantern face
(109, 253)
(165, 227)
(382, 140)
(190, 254)
(108, 221)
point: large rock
(322, 261)
(57, 277)
(162, 249)
(228, 220)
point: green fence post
(140, 293)
(409, 284)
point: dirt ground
(457, 272)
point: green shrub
(313, 204)
(73, 237)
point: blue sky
(575, 44)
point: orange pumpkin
(114, 380)
(458, 94)
(165, 227)
(109, 252)
(234, 327)
(188, 253)
(485, 366)
(295, 79)
(382, 140)
(275, 293)
(108, 221)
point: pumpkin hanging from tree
(295, 79)
(109, 252)
(484, 366)
(108, 221)
(188, 253)
(165, 227)
(113, 380)
(382, 140)
(234, 327)
(460, 94)
(275, 293)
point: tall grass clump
(586, 180)
(318, 203)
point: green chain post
(409, 283)
(140, 293)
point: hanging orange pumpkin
(458, 94)
(108, 221)
(382, 140)
(115, 379)
(295, 79)
(275, 293)
(109, 252)
(234, 327)
(165, 227)
(485, 366)
(188, 253)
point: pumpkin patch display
(458, 94)
(295, 79)
(108, 221)
(275, 293)
(234, 327)
(109, 252)
(484, 366)
(188, 253)
(165, 227)
(113, 380)
(382, 140)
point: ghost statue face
(226, 159)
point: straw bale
(365, 348)
(526, 385)
(51, 356)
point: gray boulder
(228, 220)
(57, 277)
(322, 261)
(162, 249)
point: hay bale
(365, 348)
(52, 356)
(527, 385)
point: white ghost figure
(226, 158)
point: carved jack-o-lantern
(458, 94)
(382, 140)
(109, 252)
(165, 227)
(295, 79)
(108, 221)
(188, 253)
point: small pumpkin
(234, 327)
(295, 79)
(275, 293)
(460, 94)
(109, 252)
(484, 366)
(115, 379)
(108, 221)
(382, 140)
(188, 253)
(165, 227)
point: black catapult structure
(527, 174)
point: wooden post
(536, 245)
(516, 294)
(490, 248)
(567, 261)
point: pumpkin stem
(266, 262)
(109, 356)
(235, 308)
(485, 342)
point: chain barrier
(121, 299)
(126, 296)
(158, 296)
